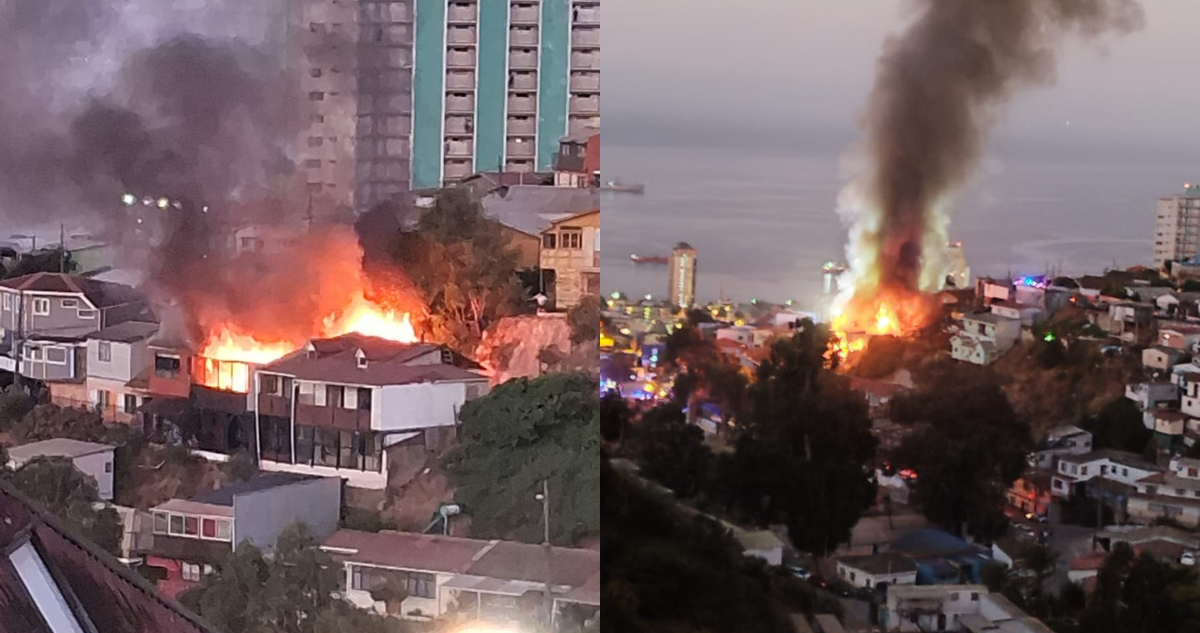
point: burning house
(352, 406)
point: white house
(1189, 403)
(1149, 395)
(868, 571)
(1118, 466)
(473, 578)
(982, 338)
(1179, 336)
(116, 357)
(953, 608)
(1160, 358)
(1026, 314)
(746, 335)
(344, 407)
(1063, 440)
(1166, 421)
(91, 459)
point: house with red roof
(345, 406)
(469, 579)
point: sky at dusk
(768, 71)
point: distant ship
(648, 259)
(616, 186)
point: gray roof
(532, 209)
(224, 495)
(1117, 457)
(57, 447)
(582, 134)
(876, 564)
(127, 332)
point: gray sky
(754, 68)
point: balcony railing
(588, 17)
(333, 417)
(460, 80)
(460, 59)
(524, 149)
(521, 127)
(582, 61)
(523, 81)
(523, 15)
(460, 35)
(523, 37)
(585, 105)
(523, 105)
(459, 125)
(586, 39)
(461, 14)
(523, 61)
(457, 169)
(460, 105)
(458, 149)
(585, 82)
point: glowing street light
(129, 199)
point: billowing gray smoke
(938, 89)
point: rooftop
(57, 447)
(107, 593)
(876, 564)
(127, 332)
(223, 497)
(929, 542)
(337, 360)
(1117, 457)
(101, 294)
(532, 209)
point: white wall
(354, 478)
(99, 466)
(420, 406)
(127, 360)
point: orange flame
(887, 314)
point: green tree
(15, 404)
(703, 372)
(240, 467)
(463, 267)
(1139, 594)
(1118, 425)
(615, 416)
(292, 592)
(71, 496)
(967, 449)
(520, 434)
(671, 451)
(801, 457)
(48, 421)
(669, 571)
(52, 260)
(584, 319)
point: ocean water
(764, 222)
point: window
(315, 141)
(316, 96)
(7, 301)
(1124, 472)
(549, 240)
(167, 366)
(160, 522)
(953, 596)
(191, 572)
(312, 163)
(104, 351)
(1192, 472)
(974, 597)
(335, 396)
(56, 355)
(346, 453)
(225, 529)
(208, 528)
(357, 580)
(41, 307)
(325, 448)
(314, 72)
(87, 314)
(304, 445)
(108, 467)
(572, 239)
(1083, 471)
(70, 303)
(176, 525)
(130, 403)
(318, 118)
(103, 399)
(422, 585)
(191, 526)
(1103, 469)
(364, 399)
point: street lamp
(544, 497)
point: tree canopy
(1139, 594)
(1118, 425)
(671, 451)
(703, 372)
(71, 496)
(291, 592)
(667, 571)
(523, 432)
(462, 264)
(967, 448)
(801, 458)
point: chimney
(361, 358)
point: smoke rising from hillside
(940, 85)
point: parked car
(798, 570)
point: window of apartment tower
(316, 96)
(572, 239)
(314, 72)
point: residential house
(1179, 305)
(1130, 321)
(56, 580)
(870, 571)
(571, 248)
(1180, 336)
(1074, 473)
(983, 337)
(1028, 315)
(746, 335)
(879, 394)
(347, 406)
(1150, 395)
(577, 163)
(191, 536)
(44, 318)
(1172, 494)
(1030, 493)
(953, 608)
(1162, 541)
(992, 290)
(1083, 570)
(91, 459)
(1168, 425)
(1160, 358)
(525, 211)
(941, 557)
(1063, 440)
(117, 358)
(473, 579)
(762, 544)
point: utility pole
(548, 598)
(62, 248)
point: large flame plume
(938, 89)
(314, 287)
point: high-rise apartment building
(410, 94)
(682, 288)
(497, 84)
(1177, 227)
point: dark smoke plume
(938, 89)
